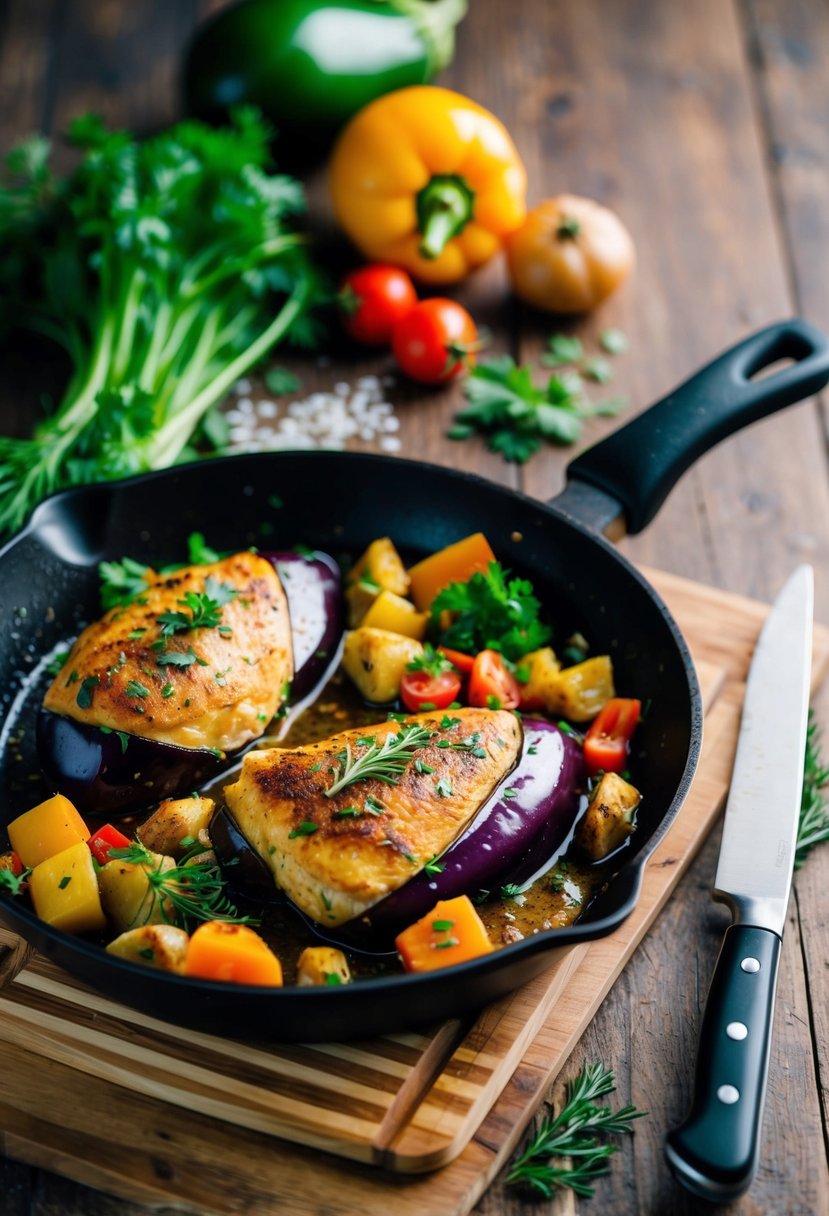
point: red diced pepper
(608, 739)
(103, 840)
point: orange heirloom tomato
(569, 255)
(428, 180)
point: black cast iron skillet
(339, 502)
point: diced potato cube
(175, 820)
(64, 891)
(397, 615)
(322, 965)
(127, 896)
(538, 691)
(376, 660)
(609, 818)
(49, 828)
(161, 946)
(378, 569)
(580, 691)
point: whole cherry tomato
(372, 300)
(420, 690)
(491, 683)
(435, 341)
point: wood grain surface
(704, 124)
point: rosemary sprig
(573, 1134)
(813, 827)
(384, 763)
(194, 892)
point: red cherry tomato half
(491, 683)
(419, 688)
(608, 739)
(372, 300)
(463, 662)
(435, 341)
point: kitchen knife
(715, 1151)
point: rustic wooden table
(704, 124)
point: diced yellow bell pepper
(47, 829)
(64, 891)
(378, 569)
(538, 690)
(393, 613)
(580, 691)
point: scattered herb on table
(566, 1151)
(516, 416)
(165, 268)
(562, 350)
(490, 612)
(613, 341)
(813, 827)
(279, 381)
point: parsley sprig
(566, 1151)
(203, 609)
(491, 611)
(122, 582)
(185, 893)
(384, 762)
(517, 417)
(431, 661)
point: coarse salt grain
(242, 387)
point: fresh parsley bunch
(165, 269)
(490, 612)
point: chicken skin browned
(202, 658)
(337, 846)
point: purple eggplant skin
(313, 585)
(515, 834)
(241, 865)
(111, 774)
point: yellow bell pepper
(64, 891)
(429, 180)
(48, 828)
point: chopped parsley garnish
(443, 788)
(122, 582)
(433, 867)
(86, 690)
(135, 689)
(167, 691)
(347, 812)
(443, 926)
(178, 658)
(432, 662)
(332, 980)
(306, 828)
(491, 611)
(55, 665)
(13, 883)
(199, 552)
(64, 882)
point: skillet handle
(639, 464)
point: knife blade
(715, 1152)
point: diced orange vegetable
(64, 891)
(48, 828)
(451, 933)
(396, 615)
(454, 564)
(231, 954)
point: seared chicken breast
(337, 836)
(202, 658)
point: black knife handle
(714, 1153)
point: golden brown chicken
(202, 658)
(344, 822)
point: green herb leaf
(280, 381)
(136, 689)
(562, 349)
(491, 611)
(185, 894)
(613, 341)
(597, 369)
(86, 691)
(199, 552)
(306, 828)
(122, 582)
(813, 826)
(431, 661)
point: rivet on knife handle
(715, 1152)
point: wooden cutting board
(156, 1113)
